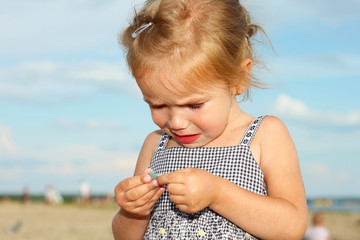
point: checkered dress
(235, 163)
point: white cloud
(294, 109)
(331, 11)
(90, 124)
(280, 12)
(96, 72)
(7, 145)
(322, 179)
(343, 176)
(69, 26)
(58, 169)
(58, 80)
(120, 164)
(37, 167)
(10, 173)
(318, 67)
(321, 173)
(318, 170)
(89, 158)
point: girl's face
(193, 119)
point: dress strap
(250, 132)
(163, 141)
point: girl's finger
(140, 191)
(186, 208)
(145, 176)
(178, 199)
(147, 171)
(144, 200)
(146, 204)
(176, 189)
(156, 196)
(173, 177)
(129, 183)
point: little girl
(223, 174)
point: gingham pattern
(235, 163)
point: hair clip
(141, 29)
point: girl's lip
(187, 138)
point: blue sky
(69, 109)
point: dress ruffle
(205, 224)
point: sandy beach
(37, 221)
(62, 222)
(342, 225)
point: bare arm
(283, 213)
(280, 215)
(136, 196)
(129, 227)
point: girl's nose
(178, 121)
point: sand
(63, 222)
(74, 222)
(342, 225)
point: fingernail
(147, 178)
(155, 183)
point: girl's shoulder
(271, 133)
(151, 142)
(272, 128)
(274, 143)
(273, 124)
(154, 136)
(147, 151)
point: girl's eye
(157, 106)
(196, 106)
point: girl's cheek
(159, 119)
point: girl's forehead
(169, 98)
(176, 90)
(162, 80)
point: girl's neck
(238, 123)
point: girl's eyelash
(192, 106)
(157, 106)
(196, 106)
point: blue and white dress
(235, 163)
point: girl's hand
(137, 195)
(191, 189)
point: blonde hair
(203, 41)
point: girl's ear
(237, 90)
(246, 65)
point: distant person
(109, 198)
(317, 231)
(202, 174)
(48, 193)
(52, 196)
(84, 192)
(6, 199)
(25, 197)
